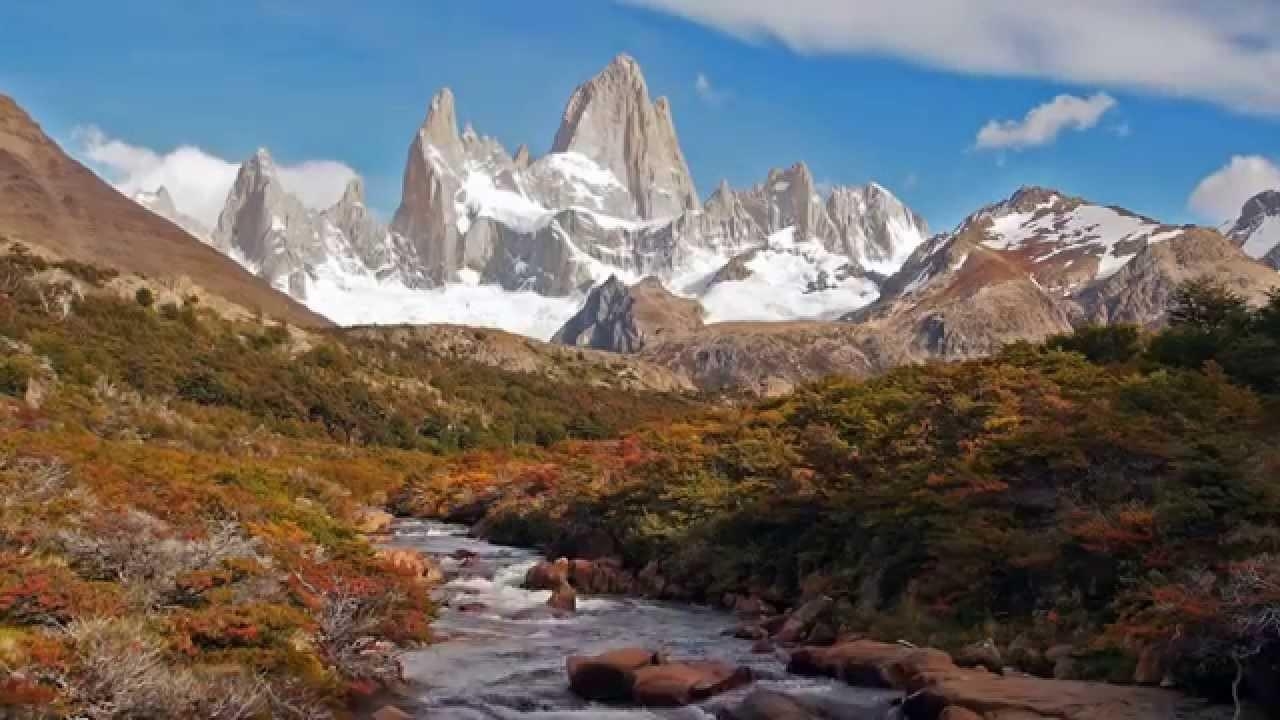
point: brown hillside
(50, 201)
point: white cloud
(709, 93)
(1220, 196)
(199, 181)
(1204, 50)
(1044, 123)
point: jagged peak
(441, 125)
(522, 158)
(354, 192)
(1266, 202)
(261, 158)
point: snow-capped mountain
(1036, 264)
(160, 202)
(484, 237)
(1257, 230)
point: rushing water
(502, 653)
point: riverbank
(502, 653)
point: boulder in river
(609, 677)
(799, 622)
(547, 575)
(681, 683)
(563, 598)
(768, 705)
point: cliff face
(625, 319)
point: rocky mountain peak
(440, 129)
(625, 319)
(353, 194)
(1257, 230)
(522, 157)
(611, 120)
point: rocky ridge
(1257, 230)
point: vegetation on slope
(1106, 490)
(180, 499)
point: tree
(1206, 304)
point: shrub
(145, 297)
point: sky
(1170, 108)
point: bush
(15, 375)
(145, 297)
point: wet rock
(547, 575)
(682, 683)
(609, 677)
(390, 712)
(1025, 654)
(463, 554)
(749, 631)
(872, 664)
(763, 646)
(752, 606)
(472, 607)
(768, 705)
(821, 634)
(563, 598)
(981, 654)
(1062, 658)
(800, 621)
(954, 712)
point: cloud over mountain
(197, 180)
(1220, 196)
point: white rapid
(502, 653)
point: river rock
(752, 606)
(955, 712)
(547, 575)
(800, 621)
(563, 598)
(391, 712)
(609, 677)
(768, 705)
(986, 695)
(682, 683)
(872, 664)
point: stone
(872, 664)
(391, 712)
(547, 575)
(804, 617)
(609, 677)
(955, 712)
(411, 563)
(625, 319)
(681, 683)
(762, 704)
(563, 598)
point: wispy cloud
(1044, 123)
(197, 180)
(710, 94)
(1220, 196)
(1229, 58)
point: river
(501, 652)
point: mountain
(611, 120)
(482, 236)
(161, 203)
(625, 319)
(55, 204)
(1257, 230)
(1035, 265)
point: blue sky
(857, 97)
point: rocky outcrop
(1140, 291)
(625, 319)
(874, 228)
(611, 120)
(514, 353)
(765, 359)
(1257, 230)
(938, 688)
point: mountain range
(603, 243)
